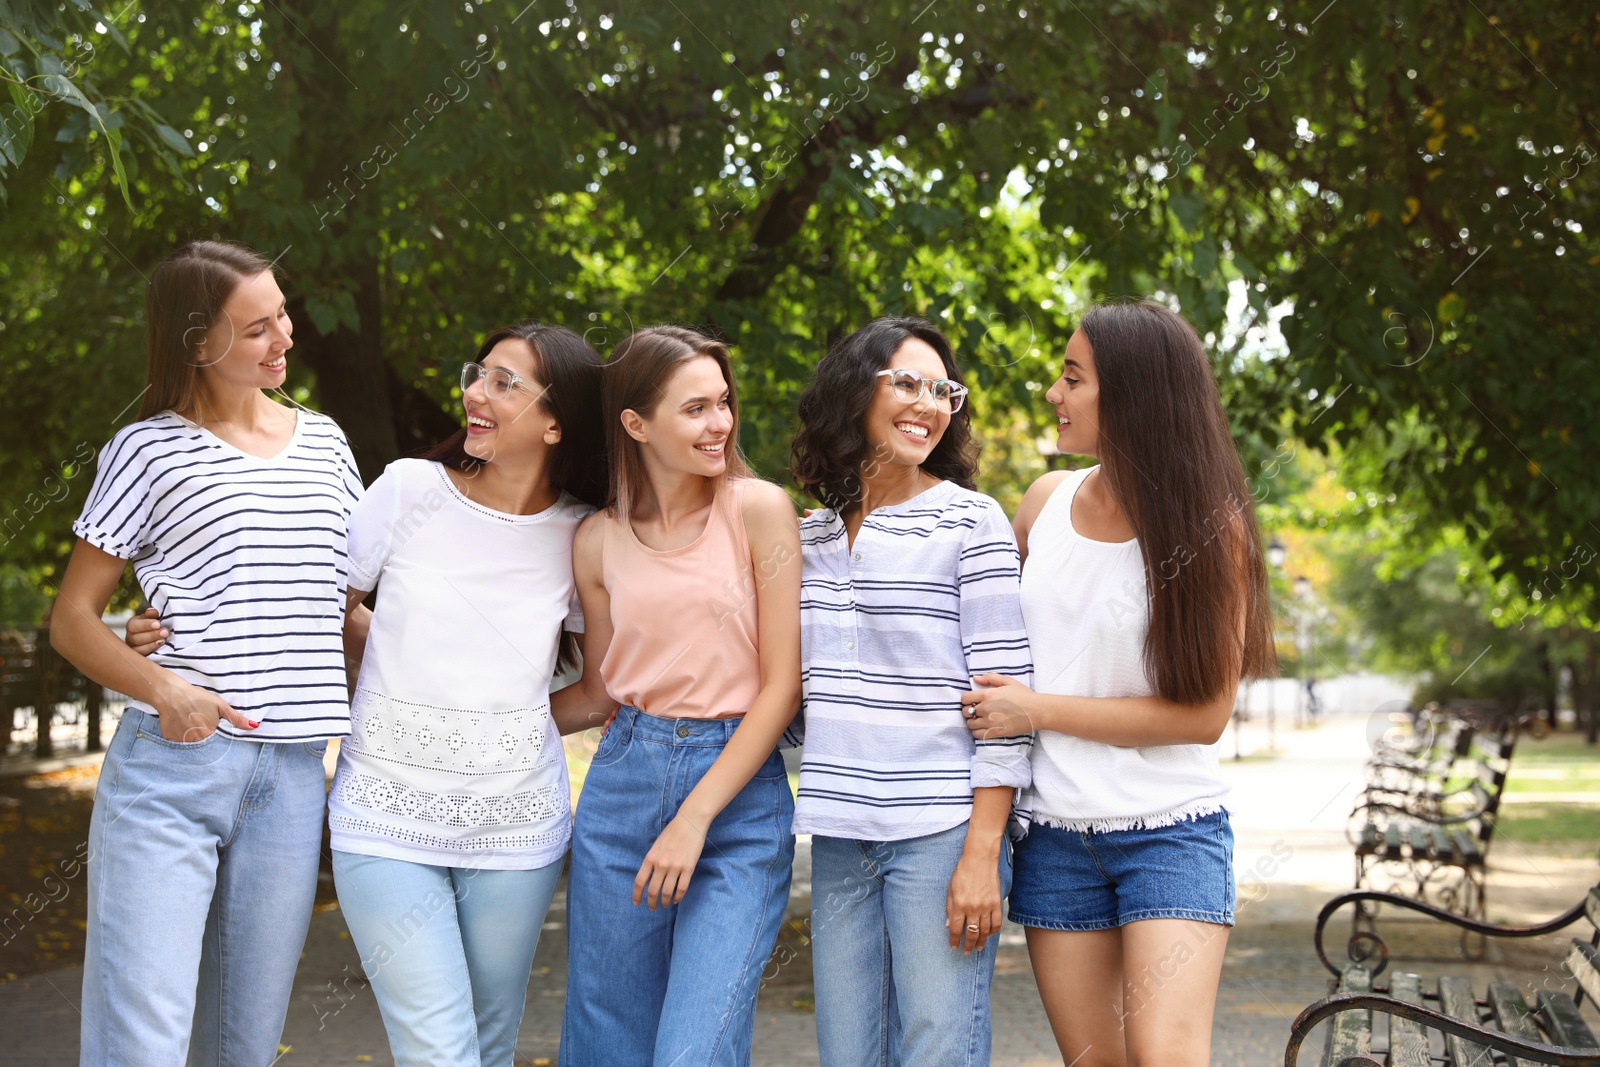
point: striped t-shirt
(244, 558)
(893, 629)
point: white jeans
(448, 951)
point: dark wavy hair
(570, 369)
(1168, 457)
(831, 447)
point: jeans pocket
(317, 748)
(611, 748)
(152, 732)
(773, 769)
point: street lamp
(1303, 618)
(1277, 555)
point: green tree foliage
(1414, 182)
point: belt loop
(631, 714)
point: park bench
(1422, 1016)
(1415, 765)
(1431, 841)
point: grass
(1561, 763)
(1571, 825)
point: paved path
(1291, 856)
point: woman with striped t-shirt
(909, 591)
(207, 822)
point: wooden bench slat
(1468, 848)
(1561, 1018)
(1513, 1016)
(1455, 997)
(1369, 840)
(1419, 840)
(1583, 959)
(1350, 1032)
(1442, 847)
(1408, 1039)
(1591, 906)
(1391, 841)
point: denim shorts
(1082, 880)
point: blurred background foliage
(1379, 218)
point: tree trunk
(1551, 679)
(353, 381)
(44, 701)
(93, 700)
(1591, 683)
(383, 416)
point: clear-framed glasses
(909, 386)
(497, 381)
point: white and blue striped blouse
(894, 628)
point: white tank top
(1087, 609)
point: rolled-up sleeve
(994, 638)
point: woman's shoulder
(759, 497)
(137, 444)
(161, 424)
(971, 502)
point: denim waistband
(700, 733)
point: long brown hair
(1170, 463)
(184, 301)
(635, 377)
(570, 370)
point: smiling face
(692, 426)
(516, 423)
(905, 432)
(244, 347)
(1076, 396)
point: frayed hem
(1159, 820)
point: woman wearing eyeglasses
(450, 811)
(909, 591)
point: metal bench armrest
(1530, 1051)
(1376, 944)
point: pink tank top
(683, 641)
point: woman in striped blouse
(909, 590)
(234, 510)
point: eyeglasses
(909, 386)
(497, 381)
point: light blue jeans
(889, 988)
(448, 951)
(202, 873)
(676, 986)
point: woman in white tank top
(1145, 600)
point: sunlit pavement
(1288, 814)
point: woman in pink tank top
(690, 582)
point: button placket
(852, 633)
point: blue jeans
(677, 985)
(889, 988)
(448, 951)
(202, 872)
